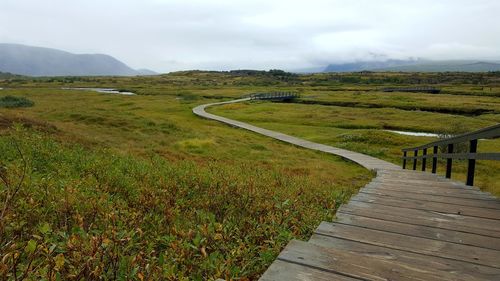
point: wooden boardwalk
(404, 225)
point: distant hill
(367, 65)
(37, 61)
(416, 66)
(146, 72)
(7, 75)
(451, 66)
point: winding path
(404, 225)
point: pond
(103, 90)
(416, 134)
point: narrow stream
(416, 134)
(103, 90)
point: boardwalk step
(436, 248)
(283, 270)
(414, 264)
(420, 231)
(426, 205)
(365, 262)
(431, 191)
(472, 202)
(472, 225)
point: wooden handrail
(274, 96)
(485, 133)
(473, 138)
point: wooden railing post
(415, 159)
(472, 163)
(434, 159)
(449, 161)
(424, 160)
(450, 152)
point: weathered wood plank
(489, 204)
(424, 183)
(440, 267)
(430, 247)
(420, 231)
(377, 264)
(431, 191)
(472, 225)
(431, 206)
(283, 270)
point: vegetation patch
(14, 101)
(72, 213)
(8, 121)
(449, 110)
(196, 145)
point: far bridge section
(274, 96)
(423, 89)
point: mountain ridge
(418, 65)
(41, 61)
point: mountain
(146, 72)
(367, 65)
(37, 61)
(307, 70)
(7, 75)
(418, 65)
(451, 66)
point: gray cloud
(167, 35)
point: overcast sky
(167, 35)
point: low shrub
(73, 213)
(13, 102)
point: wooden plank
(413, 175)
(373, 265)
(424, 183)
(491, 204)
(425, 246)
(421, 231)
(417, 182)
(440, 267)
(431, 191)
(472, 225)
(431, 206)
(283, 270)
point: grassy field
(137, 187)
(365, 130)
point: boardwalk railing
(274, 96)
(450, 143)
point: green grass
(363, 130)
(441, 103)
(83, 213)
(155, 190)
